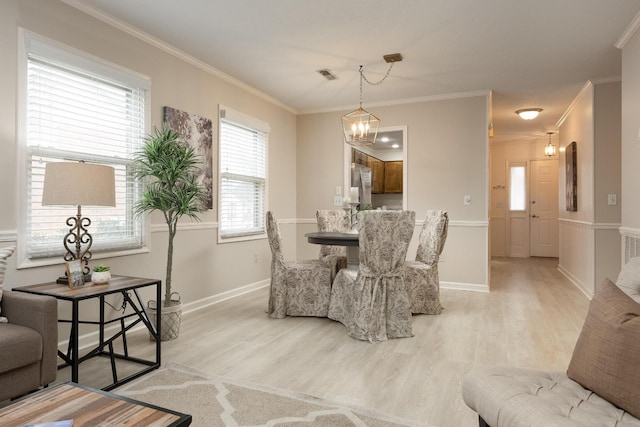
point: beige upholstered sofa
(604, 369)
(28, 343)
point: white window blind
(75, 114)
(243, 176)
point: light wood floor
(531, 318)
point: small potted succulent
(101, 274)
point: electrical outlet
(467, 200)
(337, 200)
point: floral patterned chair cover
(334, 256)
(298, 288)
(373, 303)
(421, 275)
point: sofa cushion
(606, 358)
(629, 279)
(25, 345)
(514, 397)
(4, 254)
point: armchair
(29, 343)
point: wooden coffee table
(87, 407)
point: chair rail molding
(8, 235)
(419, 223)
(162, 228)
(592, 225)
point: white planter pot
(99, 277)
(169, 320)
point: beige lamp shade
(79, 184)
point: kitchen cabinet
(393, 177)
(377, 175)
(386, 177)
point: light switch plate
(612, 200)
(467, 200)
(338, 190)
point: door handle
(535, 216)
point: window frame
(243, 120)
(73, 58)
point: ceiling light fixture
(550, 149)
(359, 126)
(529, 113)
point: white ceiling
(536, 53)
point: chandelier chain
(379, 81)
(363, 77)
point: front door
(544, 208)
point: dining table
(338, 238)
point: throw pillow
(607, 355)
(4, 254)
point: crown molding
(588, 85)
(629, 32)
(148, 38)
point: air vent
(631, 247)
(327, 74)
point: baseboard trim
(90, 340)
(576, 282)
(457, 286)
(224, 296)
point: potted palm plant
(169, 167)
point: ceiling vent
(327, 74)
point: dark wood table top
(87, 407)
(88, 290)
(334, 238)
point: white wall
(589, 240)
(447, 158)
(630, 199)
(203, 269)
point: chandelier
(359, 126)
(550, 149)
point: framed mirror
(379, 171)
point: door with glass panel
(518, 212)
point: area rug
(218, 401)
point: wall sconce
(550, 149)
(77, 184)
(529, 113)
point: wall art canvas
(572, 176)
(197, 131)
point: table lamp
(77, 184)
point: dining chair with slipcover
(333, 220)
(421, 276)
(298, 288)
(372, 302)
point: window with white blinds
(243, 176)
(79, 108)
